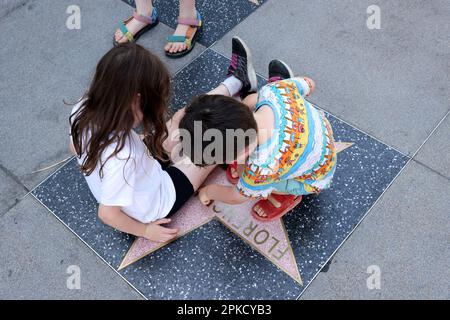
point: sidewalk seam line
(89, 247)
(360, 130)
(335, 116)
(68, 161)
(15, 8)
(355, 227)
(431, 134)
(51, 175)
(30, 192)
(12, 176)
(431, 169)
(16, 202)
(342, 243)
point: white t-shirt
(133, 180)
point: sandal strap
(283, 197)
(188, 22)
(174, 38)
(191, 22)
(125, 32)
(272, 212)
(184, 39)
(146, 19)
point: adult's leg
(187, 10)
(143, 7)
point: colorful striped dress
(300, 157)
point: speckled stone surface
(218, 16)
(212, 262)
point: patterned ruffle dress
(300, 157)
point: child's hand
(203, 196)
(157, 233)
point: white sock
(233, 84)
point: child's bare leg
(173, 124)
(231, 86)
(251, 100)
(220, 89)
(196, 175)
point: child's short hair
(219, 128)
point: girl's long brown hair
(106, 116)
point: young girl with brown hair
(129, 177)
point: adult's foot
(134, 25)
(182, 30)
(184, 37)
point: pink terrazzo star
(269, 238)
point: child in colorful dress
(294, 153)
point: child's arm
(114, 217)
(217, 192)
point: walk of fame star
(270, 238)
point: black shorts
(183, 188)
